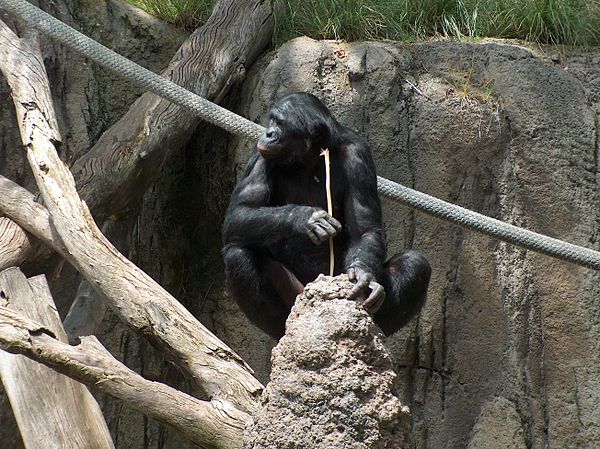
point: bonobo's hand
(366, 285)
(321, 226)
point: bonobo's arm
(366, 252)
(251, 221)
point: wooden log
(88, 308)
(86, 312)
(22, 211)
(214, 58)
(212, 424)
(128, 157)
(114, 174)
(51, 409)
(15, 243)
(139, 300)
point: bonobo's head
(299, 127)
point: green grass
(548, 21)
(575, 22)
(185, 13)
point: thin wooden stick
(325, 153)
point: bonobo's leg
(283, 281)
(263, 288)
(405, 279)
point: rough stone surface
(504, 130)
(498, 426)
(332, 379)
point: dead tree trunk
(55, 411)
(134, 296)
(43, 400)
(213, 59)
(87, 249)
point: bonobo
(276, 226)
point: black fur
(275, 232)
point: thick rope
(236, 124)
(487, 225)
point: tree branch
(140, 302)
(15, 202)
(15, 244)
(212, 59)
(42, 399)
(211, 424)
(19, 205)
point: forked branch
(140, 301)
(211, 424)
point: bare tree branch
(141, 302)
(212, 59)
(86, 312)
(16, 201)
(211, 424)
(20, 206)
(15, 244)
(42, 399)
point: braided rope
(238, 125)
(487, 225)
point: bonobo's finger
(329, 229)
(359, 289)
(312, 223)
(335, 223)
(321, 233)
(313, 236)
(376, 298)
(351, 274)
(318, 214)
(321, 216)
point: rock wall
(506, 353)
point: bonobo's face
(268, 144)
(295, 130)
(283, 139)
(279, 141)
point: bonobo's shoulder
(354, 147)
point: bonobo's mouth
(267, 152)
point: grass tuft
(187, 14)
(574, 22)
